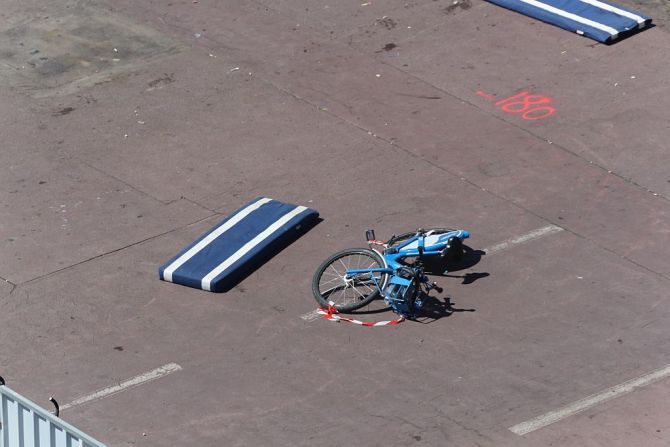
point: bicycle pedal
(434, 286)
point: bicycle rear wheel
(330, 282)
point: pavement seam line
(628, 180)
(7, 281)
(469, 182)
(116, 250)
(590, 401)
(392, 143)
(195, 202)
(500, 246)
(470, 103)
(125, 385)
(134, 188)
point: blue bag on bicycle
(238, 245)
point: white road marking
(310, 316)
(535, 234)
(590, 401)
(126, 384)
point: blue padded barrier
(218, 259)
(599, 20)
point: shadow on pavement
(435, 309)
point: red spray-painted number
(531, 107)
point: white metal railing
(25, 424)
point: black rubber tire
(395, 240)
(412, 299)
(455, 252)
(362, 258)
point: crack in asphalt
(116, 250)
(629, 180)
(462, 425)
(390, 142)
(7, 281)
(328, 38)
(435, 425)
(129, 185)
(626, 179)
(472, 183)
(415, 155)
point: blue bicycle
(352, 278)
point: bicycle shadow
(445, 266)
(434, 309)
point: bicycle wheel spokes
(332, 284)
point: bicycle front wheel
(331, 283)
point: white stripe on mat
(571, 16)
(246, 248)
(169, 270)
(614, 9)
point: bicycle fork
(417, 303)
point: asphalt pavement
(129, 128)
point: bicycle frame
(394, 256)
(395, 272)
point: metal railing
(25, 424)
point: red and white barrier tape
(330, 312)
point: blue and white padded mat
(238, 245)
(601, 21)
